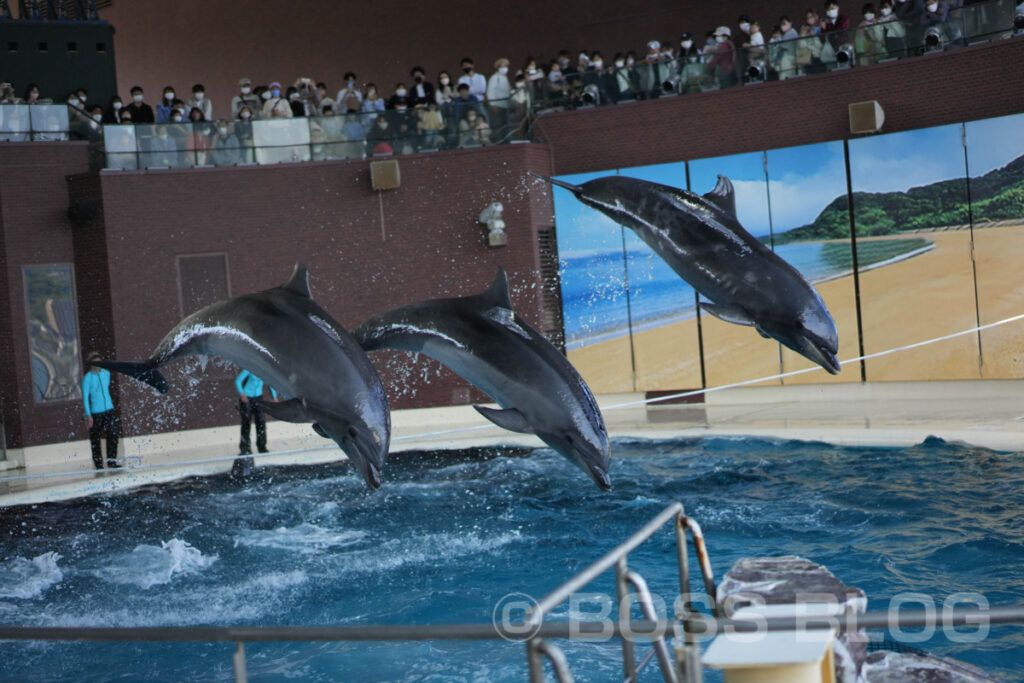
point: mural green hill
(997, 195)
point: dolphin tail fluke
(292, 410)
(560, 183)
(144, 371)
(510, 419)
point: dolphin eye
(352, 432)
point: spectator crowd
(468, 108)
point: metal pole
(557, 659)
(622, 589)
(705, 562)
(658, 643)
(239, 661)
(533, 660)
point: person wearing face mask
(275, 106)
(476, 82)
(295, 102)
(784, 60)
(444, 93)
(245, 97)
(470, 129)
(114, 110)
(600, 77)
(422, 92)
(224, 146)
(378, 140)
(691, 65)
(534, 78)
(836, 31)
(80, 121)
(400, 97)
(625, 86)
(200, 101)
(894, 31)
(722, 64)
(520, 107)
(463, 102)
(32, 95)
(243, 131)
(372, 101)
(869, 41)
(936, 14)
(350, 98)
(499, 89)
(165, 106)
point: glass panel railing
(281, 140)
(15, 123)
(458, 122)
(121, 147)
(49, 122)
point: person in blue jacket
(99, 413)
(250, 407)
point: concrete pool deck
(986, 413)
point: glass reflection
(52, 332)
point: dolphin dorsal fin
(723, 196)
(298, 283)
(497, 294)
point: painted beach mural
(632, 324)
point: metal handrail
(658, 645)
(563, 592)
(537, 647)
(643, 629)
(624, 578)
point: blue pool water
(449, 534)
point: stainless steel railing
(626, 579)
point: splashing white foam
(22, 578)
(307, 539)
(148, 565)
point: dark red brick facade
(126, 229)
(961, 85)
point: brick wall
(35, 230)
(265, 219)
(960, 85)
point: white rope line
(683, 394)
(792, 373)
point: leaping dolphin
(702, 240)
(483, 340)
(290, 342)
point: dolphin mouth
(829, 361)
(372, 476)
(601, 478)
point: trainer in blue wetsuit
(99, 413)
(250, 407)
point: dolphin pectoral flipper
(510, 419)
(730, 314)
(292, 410)
(144, 371)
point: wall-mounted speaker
(384, 175)
(866, 117)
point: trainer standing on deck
(250, 406)
(99, 413)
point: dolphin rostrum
(290, 342)
(483, 340)
(701, 239)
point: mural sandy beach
(920, 298)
